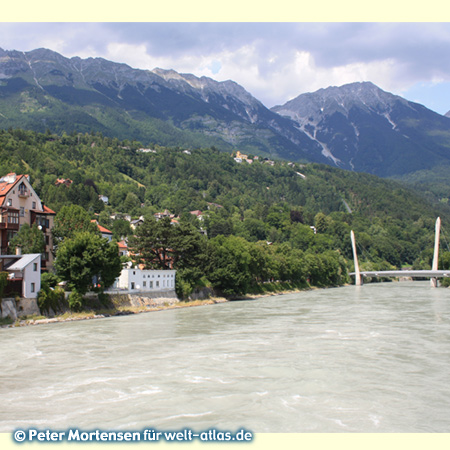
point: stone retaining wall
(23, 307)
(145, 299)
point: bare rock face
(9, 309)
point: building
(144, 280)
(123, 248)
(24, 274)
(104, 231)
(198, 214)
(165, 213)
(63, 181)
(19, 204)
(136, 223)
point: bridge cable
(363, 252)
(445, 239)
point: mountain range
(357, 127)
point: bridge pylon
(434, 281)
(358, 278)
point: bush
(75, 301)
(103, 299)
(49, 279)
(49, 298)
(3, 282)
(183, 288)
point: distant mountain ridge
(364, 128)
(44, 89)
(357, 126)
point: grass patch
(133, 180)
(76, 315)
(6, 321)
(32, 317)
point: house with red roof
(123, 248)
(19, 204)
(104, 231)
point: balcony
(24, 193)
(5, 225)
(9, 219)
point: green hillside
(259, 202)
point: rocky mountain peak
(363, 95)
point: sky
(275, 61)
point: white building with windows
(143, 280)
(25, 270)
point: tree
(29, 239)
(163, 245)
(120, 228)
(87, 261)
(71, 220)
(229, 264)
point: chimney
(18, 251)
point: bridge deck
(406, 273)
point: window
(145, 284)
(22, 211)
(34, 267)
(132, 285)
(151, 284)
(42, 221)
(13, 217)
(34, 205)
(9, 202)
(157, 284)
(33, 287)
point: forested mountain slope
(258, 202)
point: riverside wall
(144, 299)
(17, 308)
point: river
(374, 358)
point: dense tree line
(260, 223)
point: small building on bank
(145, 280)
(24, 277)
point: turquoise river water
(374, 358)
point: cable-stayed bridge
(433, 274)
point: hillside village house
(19, 204)
(104, 231)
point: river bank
(71, 316)
(89, 315)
